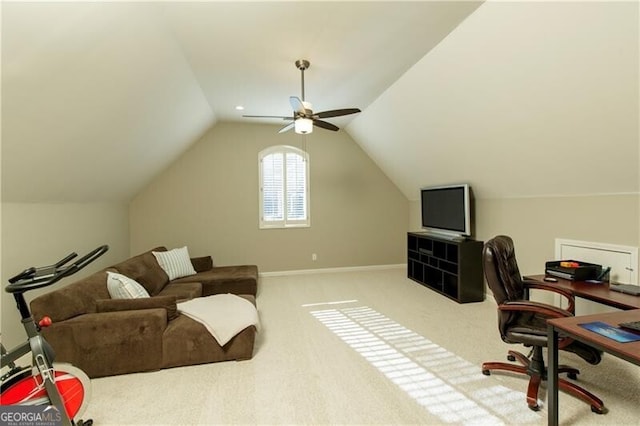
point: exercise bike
(60, 385)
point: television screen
(447, 209)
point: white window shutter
(273, 187)
(284, 187)
(296, 187)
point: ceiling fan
(303, 118)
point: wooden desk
(569, 326)
(597, 292)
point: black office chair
(524, 322)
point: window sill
(302, 225)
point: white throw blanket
(224, 315)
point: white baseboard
(331, 270)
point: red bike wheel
(72, 383)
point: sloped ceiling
(98, 97)
(520, 99)
(523, 99)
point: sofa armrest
(104, 344)
(201, 264)
(118, 305)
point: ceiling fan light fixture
(304, 126)
(303, 119)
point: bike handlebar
(66, 259)
(33, 278)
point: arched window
(284, 187)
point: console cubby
(450, 267)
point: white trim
(331, 270)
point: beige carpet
(369, 347)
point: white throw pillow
(122, 287)
(176, 263)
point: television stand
(447, 265)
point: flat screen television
(448, 210)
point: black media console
(452, 268)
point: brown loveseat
(105, 336)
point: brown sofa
(105, 336)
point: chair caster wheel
(511, 358)
(486, 372)
(534, 407)
(572, 376)
(597, 410)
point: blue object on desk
(615, 333)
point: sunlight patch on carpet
(428, 373)
(337, 302)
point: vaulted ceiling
(518, 98)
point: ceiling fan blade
(298, 106)
(336, 112)
(268, 116)
(326, 125)
(287, 127)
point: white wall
(208, 200)
(41, 234)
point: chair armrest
(549, 311)
(535, 307)
(537, 285)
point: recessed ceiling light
(239, 107)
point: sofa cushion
(239, 279)
(187, 342)
(145, 269)
(201, 264)
(223, 315)
(182, 290)
(175, 263)
(123, 287)
(116, 305)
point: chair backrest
(501, 269)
